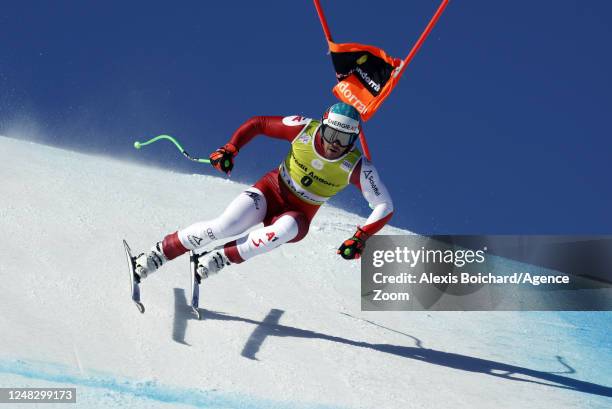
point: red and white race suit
(286, 218)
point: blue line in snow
(144, 389)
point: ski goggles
(331, 135)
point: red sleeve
(271, 126)
(372, 228)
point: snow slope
(283, 330)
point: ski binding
(195, 284)
(134, 278)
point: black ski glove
(352, 248)
(223, 158)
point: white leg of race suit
(245, 211)
(267, 238)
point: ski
(195, 284)
(134, 279)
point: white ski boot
(146, 263)
(211, 263)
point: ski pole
(139, 145)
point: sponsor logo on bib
(317, 164)
(346, 165)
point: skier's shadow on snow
(270, 327)
(182, 314)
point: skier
(322, 161)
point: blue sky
(500, 125)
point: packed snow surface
(283, 330)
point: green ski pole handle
(139, 145)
